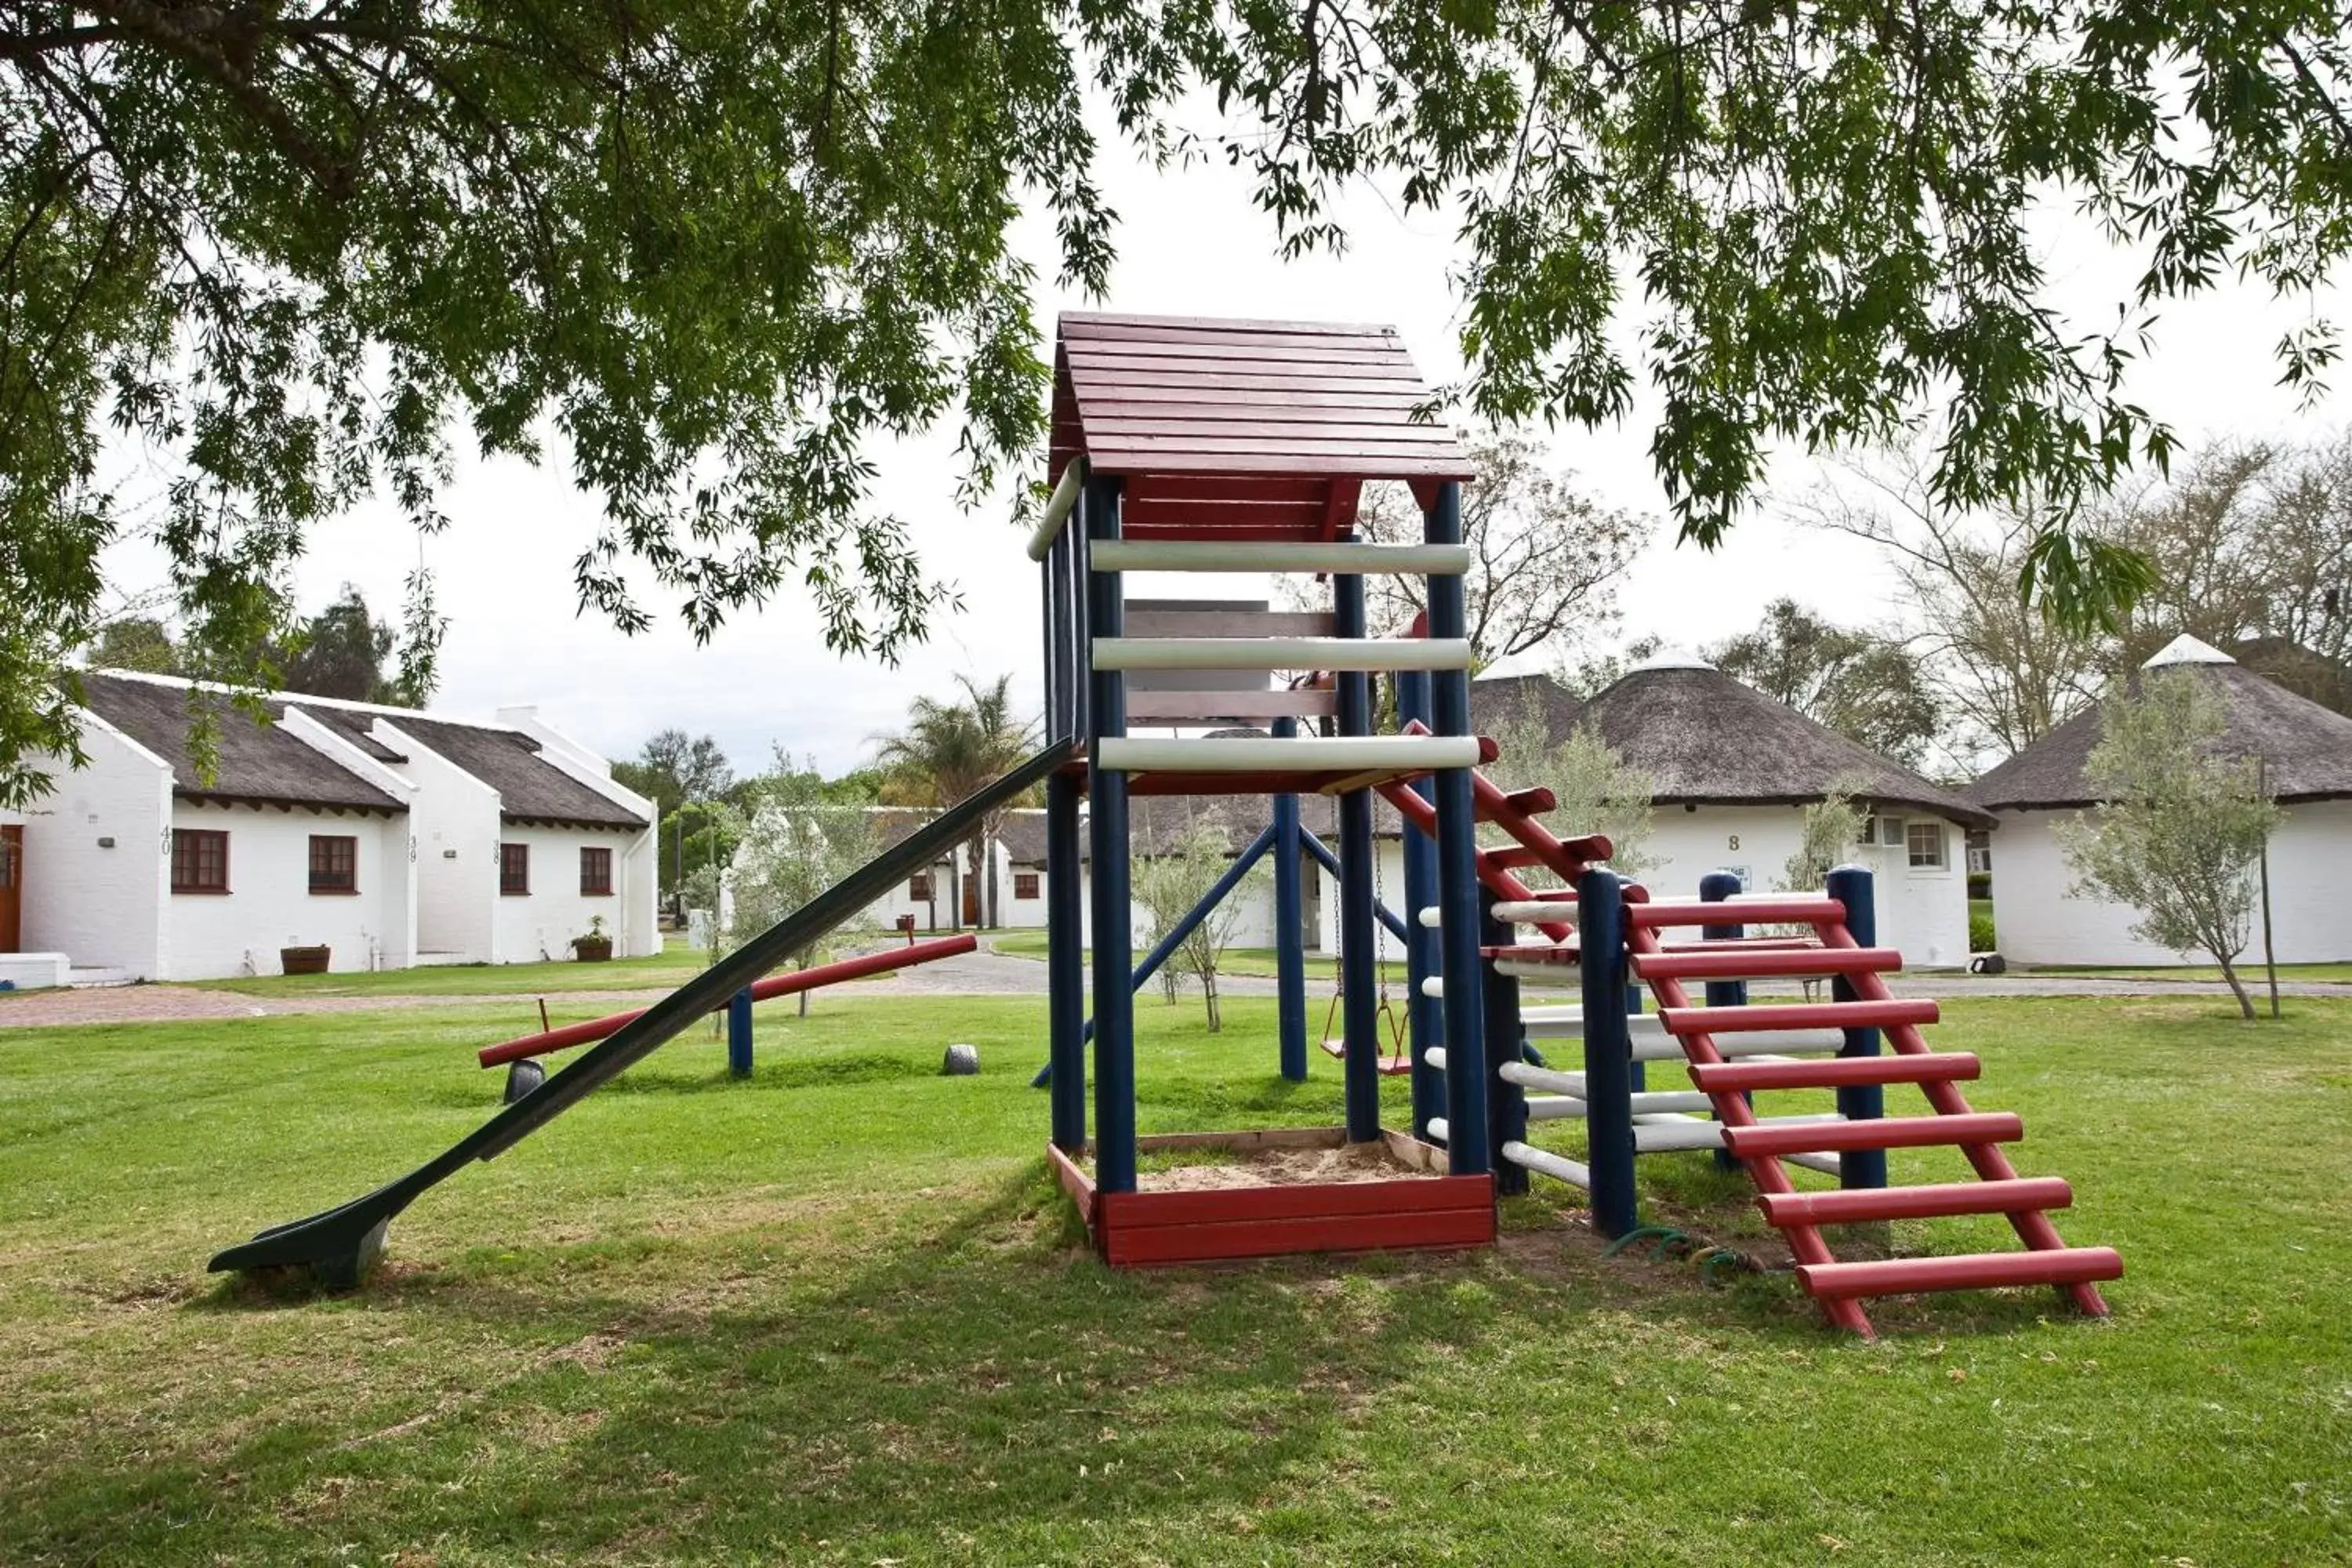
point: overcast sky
(1188, 243)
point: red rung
(1875, 1132)
(1797, 909)
(1940, 1200)
(1969, 1272)
(1509, 857)
(1797, 1015)
(1531, 802)
(1752, 964)
(1836, 1072)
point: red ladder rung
(1939, 1200)
(1797, 1015)
(1967, 1271)
(1835, 1072)
(1873, 1132)
(1737, 965)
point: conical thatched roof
(1706, 739)
(2307, 748)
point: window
(1979, 860)
(918, 887)
(199, 860)
(1887, 832)
(1924, 842)
(1024, 884)
(514, 869)
(595, 870)
(334, 863)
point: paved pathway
(982, 974)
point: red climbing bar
(857, 968)
(1796, 1015)
(1794, 909)
(1939, 1200)
(1883, 1132)
(1969, 1272)
(1837, 1072)
(1709, 963)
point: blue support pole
(1457, 865)
(1851, 886)
(1424, 1019)
(1289, 930)
(1714, 888)
(1608, 1052)
(1113, 930)
(739, 1034)
(1066, 965)
(1638, 1072)
(1324, 858)
(1506, 1102)
(1360, 1005)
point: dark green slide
(337, 1245)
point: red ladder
(1999, 1189)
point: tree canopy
(1868, 687)
(292, 254)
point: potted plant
(304, 960)
(596, 947)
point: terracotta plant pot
(592, 948)
(304, 960)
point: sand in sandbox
(1285, 1168)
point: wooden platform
(1145, 1229)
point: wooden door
(970, 899)
(11, 887)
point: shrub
(1981, 934)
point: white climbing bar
(1431, 916)
(1535, 911)
(1662, 1132)
(1436, 1129)
(1058, 509)
(1337, 753)
(1529, 1158)
(1433, 985)
(1310, 555)
(1647, 1102)
(1285, 653)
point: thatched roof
(257, 763)
(1706, 739)
(531, 788)
(1498, 702)
(2306, 749)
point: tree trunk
(802, 965)
(2237, 988)
(1209, 991)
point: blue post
(1066, 965)
(1360, 982)
(1457, 865)
(1424, 1019)
(1714, 888)
(1289, 930)
(1114, 990)
(739, 1034)
(1506, 1102)
(1638, 1072)
(1608, 1052)
(1850, 885)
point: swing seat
(1391, 1067)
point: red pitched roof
(1242, 430)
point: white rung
(1549, 974)
(1568, 1023)
(1260, 555)
(1570, 1107)
(1437, 1130)
(1534, 911)
(1057, 509)
(1527, 1075)
(1550, 1164)
(1433, 985)
(1338, 754)
(1784, 1042)
(1827, 1164)
(1432, 916)
(1668, 1132)
(1436, 1056)
(1282, 653)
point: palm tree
(948, 752)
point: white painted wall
(102, 907)
(539, 926)
(2311, 923)
(269, 904)
(454, 818)
(635, 926)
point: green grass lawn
(2251, 975)
(674, 966)
(838, 1315)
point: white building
(386, 836)
(2307, 752)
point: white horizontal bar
(1549, 974)
(1568, 1023)
(1437, 1130)
(1527, 1075)
(1338, 754)
(1549, 1164)
(1057, 509)
(1262, 556)
(1282, 653)
(1436, 1056)
(1534, 911)
(1571, 1107)
(1431, 916)
(1827, 1164)
(1433, 985)
(1667, 1133)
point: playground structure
(1182, 446)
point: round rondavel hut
(2306, 751)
